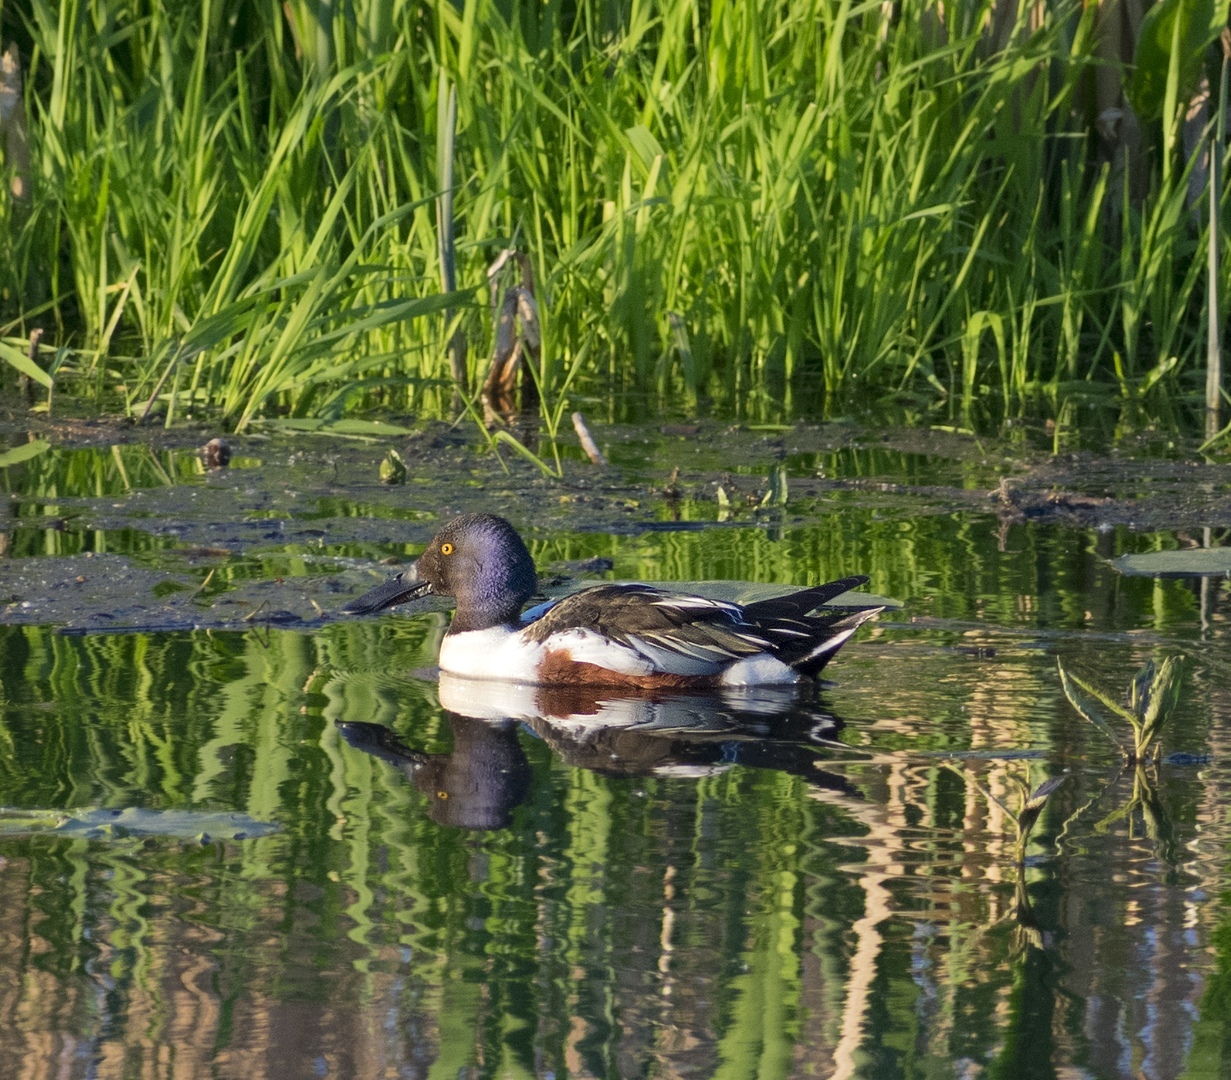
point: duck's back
(658, 638)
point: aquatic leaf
(1187, 562)
(1192, 24)
(24, 453)
(1155, 700)
(101, 822)
(1152, 694)
(1140, 687)
(24, 364)
(1040, 794)
(392, 468)
(776, 493)
(1070, 685)
(346, 428)
(1032, 804)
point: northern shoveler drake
(614, 635)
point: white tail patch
(759, 670)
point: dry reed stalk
(513, 343)
(13, 123)
(587, 440)
(1213, 353)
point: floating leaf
(1187, 562)
(345, 428)
(24, 453)
(98, 822)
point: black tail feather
(797, 604)
(806, 633)
(836, 634)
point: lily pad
(1187, 562)
(99, 822)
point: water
(328, 862)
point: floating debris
(1187, 562)
(587, 440)
(216, 453)
(102, 823)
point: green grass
(777, 207)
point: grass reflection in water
(671, 893)
(760, 887)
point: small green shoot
(1029, 806)
(1152, 695)
(776, 491)
(393, 469)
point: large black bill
(397, 590)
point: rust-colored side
(558, 668)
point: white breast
(497, 653)
(502, 653)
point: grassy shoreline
(231, 207)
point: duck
(617, 635)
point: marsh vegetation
(232, 206)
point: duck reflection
(486, 775)
(476, 785)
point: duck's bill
(397, 590)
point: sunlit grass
(233, 207)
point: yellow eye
(446, 549)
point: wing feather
(695, 635)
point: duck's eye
(446, 549)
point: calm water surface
(327, 862)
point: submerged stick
(587, 440)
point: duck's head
(477, 558)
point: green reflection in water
(705, 904)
